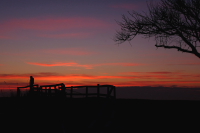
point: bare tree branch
(174, 47)
(174, 24)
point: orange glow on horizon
(188, 84)
(138, 79)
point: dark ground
(47, 115)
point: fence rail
(61, 90)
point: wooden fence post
(71, 91)
(39, 91)
(86, 92)
(108, 95)
(98, 91)
(45, 91)
(63, 90)
(18, 92)
(114, 91)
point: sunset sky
(71, 42)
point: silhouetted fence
(19, 92)
(60, 90)
(86, 91)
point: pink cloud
(163, 72)
(67, 35)
(74, 64)
(77, 51)
(190, 64)
(52, 24)
(120, 64)
(158, 83)
(87, 66)
(55, 76)
(160, 75)
(4, 37)
(68, 51)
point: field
(46, 115)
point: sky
(72, 42)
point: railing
(52, 90)
(106, 91)
(110, 91)
(19, 89)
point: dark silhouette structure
(60, 90)
(31, 83)
(168, 21)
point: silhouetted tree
(167, 21)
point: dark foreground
(51, 115)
